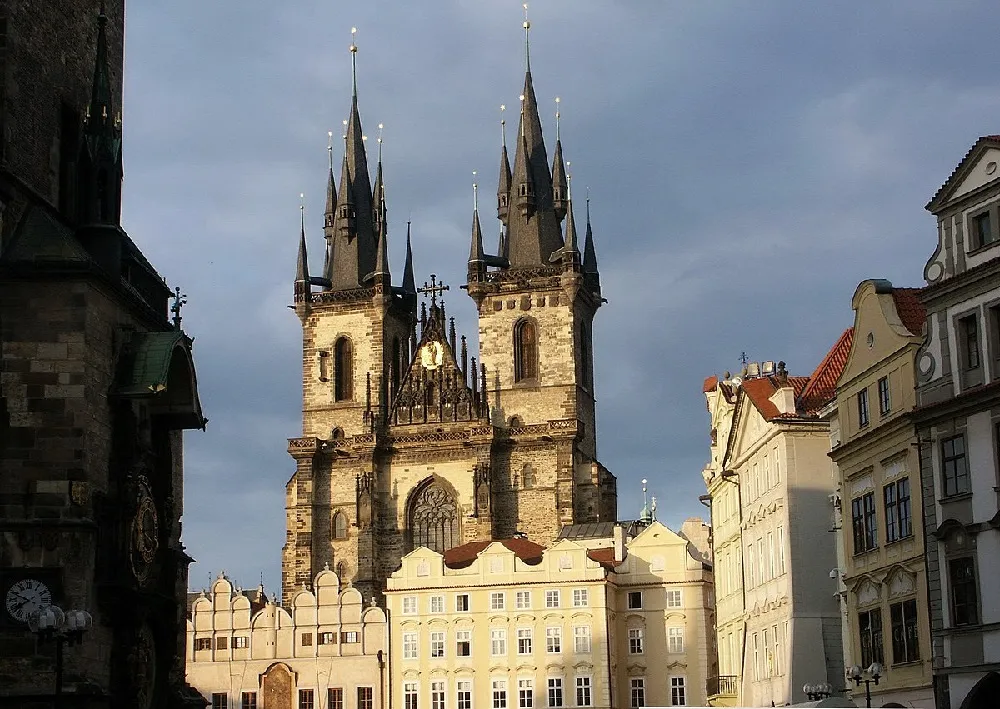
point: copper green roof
(149, 368)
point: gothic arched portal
(433, 518)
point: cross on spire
(180, 300)
(433, 288)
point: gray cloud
(749, 163)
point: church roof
(462, 556)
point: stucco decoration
(926, 365)
(901, 583)
(862, 484)
(423, 569)
(867, 593)
(933, 272)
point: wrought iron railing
(723, 685)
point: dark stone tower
(96, 382)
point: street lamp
(817, 691)
(51, 623)
(869, 676)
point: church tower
(408, 441)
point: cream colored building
(877, 459)
(328, 651)
(598, 619)
(770, 485)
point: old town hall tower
(408, 441)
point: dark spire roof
(571, 239)
(331, 189)
(476, 251)
(409, 286)
(503, 184)
(382, 257)
(533, 233)
(559, 182)
(302, 266)
(589, 254)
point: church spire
(302, 288)
(503, 185)
(409, 286)
(533, 229)
(101, 159)
(356, 240)
(571, 252)
(590, 255)
(331, 190)
(477, 267)
(559, 186)
(378, 193)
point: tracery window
(338, 528)
(343, 389)
(525, 351)
(434, 519)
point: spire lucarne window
(433, 519)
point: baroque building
(327, 649)
(958, 429)
(407, 441)
(769, 482)
(881, 563)
(610, 615)
(97, 382)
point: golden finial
(329, 147)
(475, 193)
(557, 117)
(302, 210)
(354, 60)
(380, 142)
(503, 126)
(527, 27)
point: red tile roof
(710, 384)
(956, 173)
(822, 386)
(760, 389)
(605, 556)
(462, 556)
(911, 311)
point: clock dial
(25, 597)
(144, 537)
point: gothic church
(406, 440)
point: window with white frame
(552, 599)
(437, 604)
(463, 694)
(581, 597)
(637, 686)
(781, 550)
(675, 640)
(675, 598)
(581, 639)
(584, 697)
(463, 643)
(462, 602)
(409, 646)
(678, 692)
(498, 601)
(437, 694)
(772, 559)
(498, 642)
(410, 695)
(525, 693)
(756, 658)
(409, 605)
(437, 644)
(635, 641)
(523, 600)
(499, 687)
(524, 641)
(553, 639)
(555, 687)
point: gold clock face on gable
(432, 355)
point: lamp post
(869, 676)
(51, 623)
(817, 691)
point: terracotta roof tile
(911, 311)
(760, 389)
(462, 556)
(822, 386)
(710, 384)
(605, 556)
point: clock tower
(410, 438)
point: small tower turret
(477, 265)
(590, 272)
(559, 185)
(503, 185)
(409, 286)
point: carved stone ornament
(364, 494)
(901, 583)
(142, 668)
(867, 593)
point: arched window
(343, 370)
(525, 351)
(585, 355)
(338, 527)
(397, 364)
(527, 477)
(433, 518)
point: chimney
(619, 542)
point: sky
(749, 164)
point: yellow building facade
(881, 502)
(328, 650)
(600, 620)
